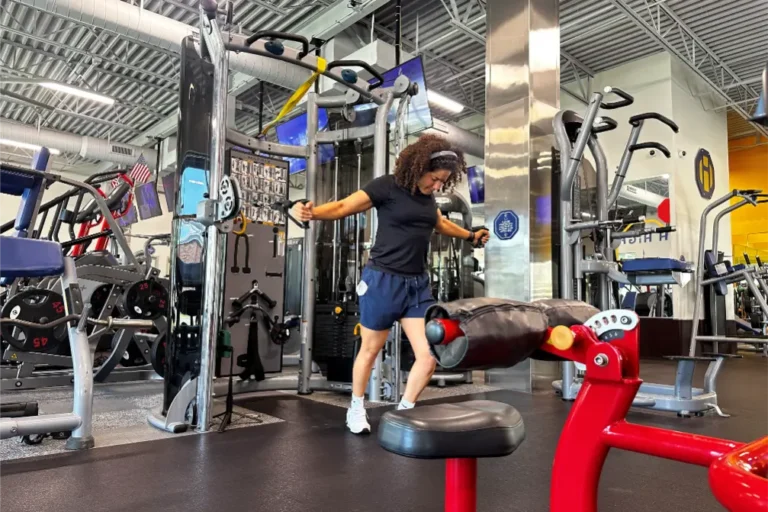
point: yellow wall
(749, 225)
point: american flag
(139, 173)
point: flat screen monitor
(129, 218)
(192, 189)
(169, 189)
(476, 177)
(147, 200)
(294, 133)
(419, 113)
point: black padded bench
(460, 433)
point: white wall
(698, 129)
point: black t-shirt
(405, 225)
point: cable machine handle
(635, 120)
(274, 34)
(606, 124)
(361, 64)
(626, 99)
(651, 145)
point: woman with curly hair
(394, 285)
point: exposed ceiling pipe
(468, 142)
(155, 29)
(86, 147)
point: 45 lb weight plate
(38, 306)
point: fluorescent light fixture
(75, 91)
(25, 145)
(445, 103)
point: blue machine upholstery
(23, 257)
(654, 265)
(721, 287)
(630, 301)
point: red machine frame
(738, 472)
(85, 227)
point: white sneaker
(357, 421)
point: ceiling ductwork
(86, 147)
(154, 29)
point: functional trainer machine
(200, 227)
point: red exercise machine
(89, 217)
(608, 345)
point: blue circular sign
(506, 224)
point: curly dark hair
(414, 162)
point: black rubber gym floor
(309, 463)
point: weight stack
(335, 344)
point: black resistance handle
(651, 145)
(606, 124)
(625, 101)
(274, 34)
(285, 207)
(635, 120)
(361, 64)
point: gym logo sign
(705, 173)
(506, 225)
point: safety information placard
(506, 224)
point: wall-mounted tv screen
(147, 200)
(476, 178)
(419, 113)
(129, 218)
(294, 132)
(169, 189)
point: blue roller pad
(14, 183)
(23, 257)
(654, 265)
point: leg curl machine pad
(500, 333)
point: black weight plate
(38, 306)
(132, 355)
(146, 300)
(157, 356)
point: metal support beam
(694, 53)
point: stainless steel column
(310, 253)
(522, 97)
(215, 248)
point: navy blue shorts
(386, 298)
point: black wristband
(471, 237)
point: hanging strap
(297, 95)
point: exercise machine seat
(474, 429)
(25, 257)
(654, 265)
(630, 301)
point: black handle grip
(607, 124)
(266, 298)
(748, 191)
(746, 258)
(666, 229)
(651, 145)
(625, 101)
(635, 120)
(361, 64)
(274, 34)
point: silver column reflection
(522, 97)
(310, 253)
(215, 247)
